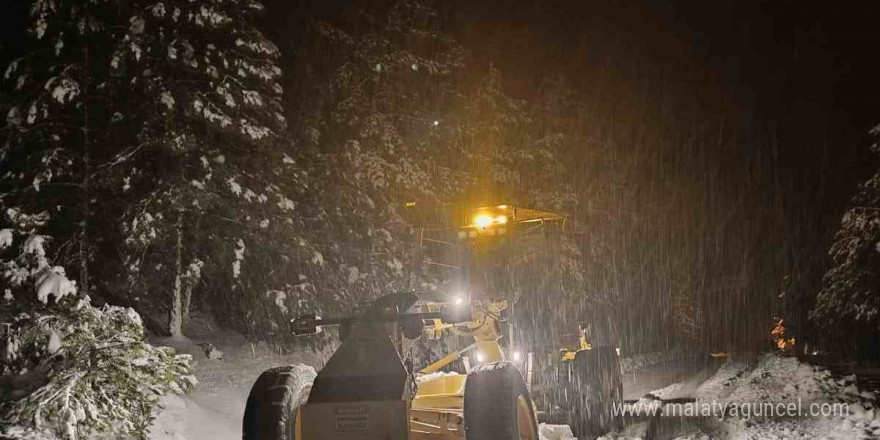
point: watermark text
(720, 410)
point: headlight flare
(483, 221)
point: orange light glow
(482, 221)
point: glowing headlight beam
(483, 221)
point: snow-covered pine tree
(374, 123)
(202, 176)
(851, 289)
(67, 367)
(58, 123)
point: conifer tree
(206, 120)
(851, 289)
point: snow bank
(770, 380)
(775, 379)
(554, 432)
(170, 424)
(20, 433)
(778, 379)
(214, 410)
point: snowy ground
(677, 374)
(769, 380)
(214, 410)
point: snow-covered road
(676, 378)
(214, 410)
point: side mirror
(305, 325)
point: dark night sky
(781, 59)
(777, 58)
(806, 70)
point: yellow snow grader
(370, 390)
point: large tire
(497, 405)
(598, 387)
(270, 413)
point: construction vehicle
(483, 391)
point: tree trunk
(175, 318)
(85, 195)
(187, 299)
(193, 278)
